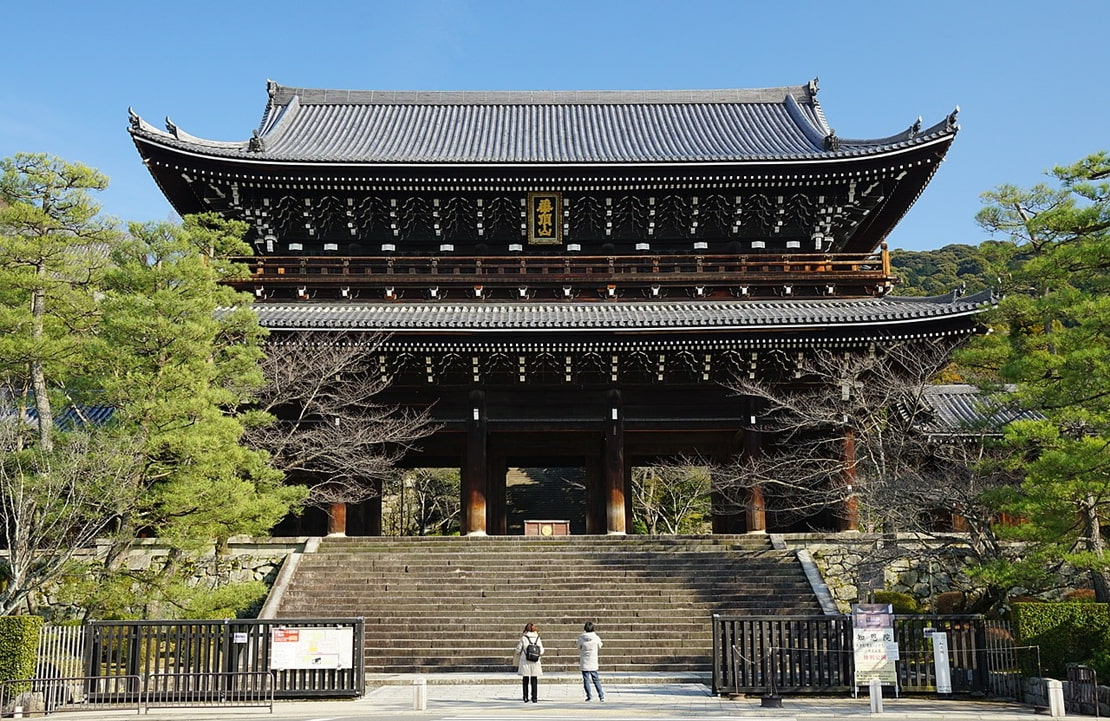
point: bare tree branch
(329, 432)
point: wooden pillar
(373, 510)
(755, 509)
(337, 519)
(722, 522)
(497, 522)
(595, 496)
(475, 473)
(614, 467)
(848, 518)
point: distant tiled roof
(543, 127)
(70, 417)
(601, 317)
(960, 409)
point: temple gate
(570, 277)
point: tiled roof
(553, 127)
(600, 317)
(964, 409)
(70, 417)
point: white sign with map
(295, 648)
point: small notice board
(876, 651)
(296, 648)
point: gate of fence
(797, 654)
(215, 660)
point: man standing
(588, 644)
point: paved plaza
(462, 697)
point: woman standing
(528, 668)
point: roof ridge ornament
(915, 128)
(950, 123)
(171, 127)
(133, 118)
(831, 141)
(256, 144)
(812, 87)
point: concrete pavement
(472, 698)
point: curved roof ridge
(138, 124)
(914, 132)
(664, 127)
(984, 296)
(815, 132)
(281, 94)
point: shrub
(950, 602)
(1064, 632)
(19, 640)
(902, 603)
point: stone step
(465, 598)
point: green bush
(1064, 632)
(902, 603)
(19, 641)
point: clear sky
(1029, 77)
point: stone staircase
(452, 604)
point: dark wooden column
(595, 497)
(365, 518)
(614, 467)
(496, 507)
(848, 517)
(755, 510)
(726, 516)
(337, 519)
(475, 469)
(373, 511)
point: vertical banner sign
(545, 219)
(311, 648)
(940, 661)
(875, 649)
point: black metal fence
(46, 695)
(774, 654)
(331, 666)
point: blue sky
(1029, 77)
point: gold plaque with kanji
(545, 216)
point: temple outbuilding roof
(965, 410)
(304, 125)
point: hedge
(19, 640)
(1064, 632)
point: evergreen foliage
(19, 639)
(1063, 632)
(1052, 341)
(137, 321)
(936, 272)
(902, 603)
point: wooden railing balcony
(855, 270)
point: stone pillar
(614, 468)
(848, 517)
(475, 470)
(337, 519)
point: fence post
(982, 663)
(1055, 698)
(875, 689)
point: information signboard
(296, 648)
(873, 642)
